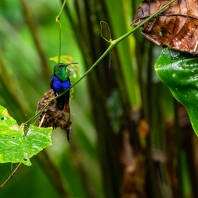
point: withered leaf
(175, 27)
(52, 116)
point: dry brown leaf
(52, 116)
(175, 27)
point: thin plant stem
(141, 24)
(11, 175)
(60, 29)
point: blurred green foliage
(123, 118)
(23, 83)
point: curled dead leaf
(52, 116)
(175, 27)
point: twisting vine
(110, 39)
(113, 43)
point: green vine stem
(113, 43)
(60, 29)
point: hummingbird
(60, 82)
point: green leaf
(63, 59)
(179, 71)
(17, 147)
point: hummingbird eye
(61, 65)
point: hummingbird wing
(59, 87)
(61, 102)
(67, 96)
(66, 84)
(51, 81)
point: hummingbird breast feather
(58, 87)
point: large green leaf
(179, 71)
(15, 145)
